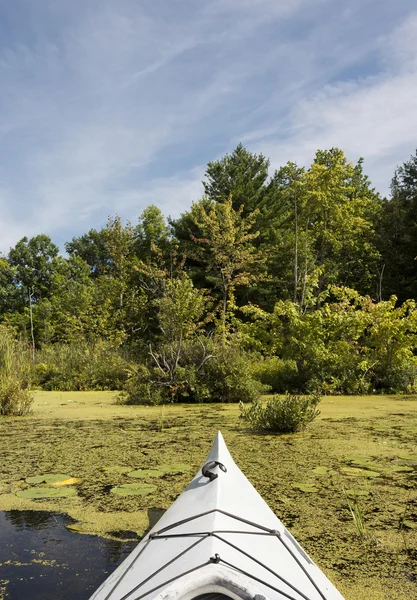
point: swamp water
(41, 560)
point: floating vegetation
(305, 487)
(160, 471)
(353, 493)
(324, 471)
(116, 469)
(357, 472)
(361, 461)
(174, 468)
(134, 489)
(401, 469)
(145, 473)
(91, 444)
(48, 478)
(70, 481)
(40, 493)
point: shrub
(286, 414)
(15, 374)
(14, 399)
(228, 377)
(278, 374)
(80, 367)
(205, 371)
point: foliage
(267, 280)
(224, 246)
(14, 399)
(83, 366)
(206, 371)
(15, 375)
(397, 235)
(350, 344)
(278, 374)
(285, 414)
(241, 176)
(32, 260)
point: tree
(33, 266)
(33, 263)
(398, 234)
(92, 248)
(9, 301)
(225, 249)
(242, 176)
(341, 209)
(152, 233)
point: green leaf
(145, 473)
(45, 492)
(47, 478)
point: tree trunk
(31, 324)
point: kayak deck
(218, 538)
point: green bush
(204, 372)
(228, 377)
(14, 399)
(15, 374)
(286, 414)
(278, 374)
(80, 367)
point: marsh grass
(357, 517)
(15, 375)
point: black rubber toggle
(215, 559)
(210, 465)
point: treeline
(301, 280)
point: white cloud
(107, 106)
(373, 117)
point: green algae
(174, 468)
(134, 489)
(116, 469)
(39, 493)
(89, 435)
(305, 487)
(353, 493)
(401, 469)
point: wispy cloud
(108, 106)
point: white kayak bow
(218, 539)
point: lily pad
(70, 481)
(145, 473)
(45, 492)
(360, 460)
(324, 471)
(305, 487)
(357, 472)
(116, 469)
(47, 478)
(134, 489)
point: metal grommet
(215, 559)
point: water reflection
(40, 559)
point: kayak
(219, 540)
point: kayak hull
(218, 537)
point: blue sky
(107, 106)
